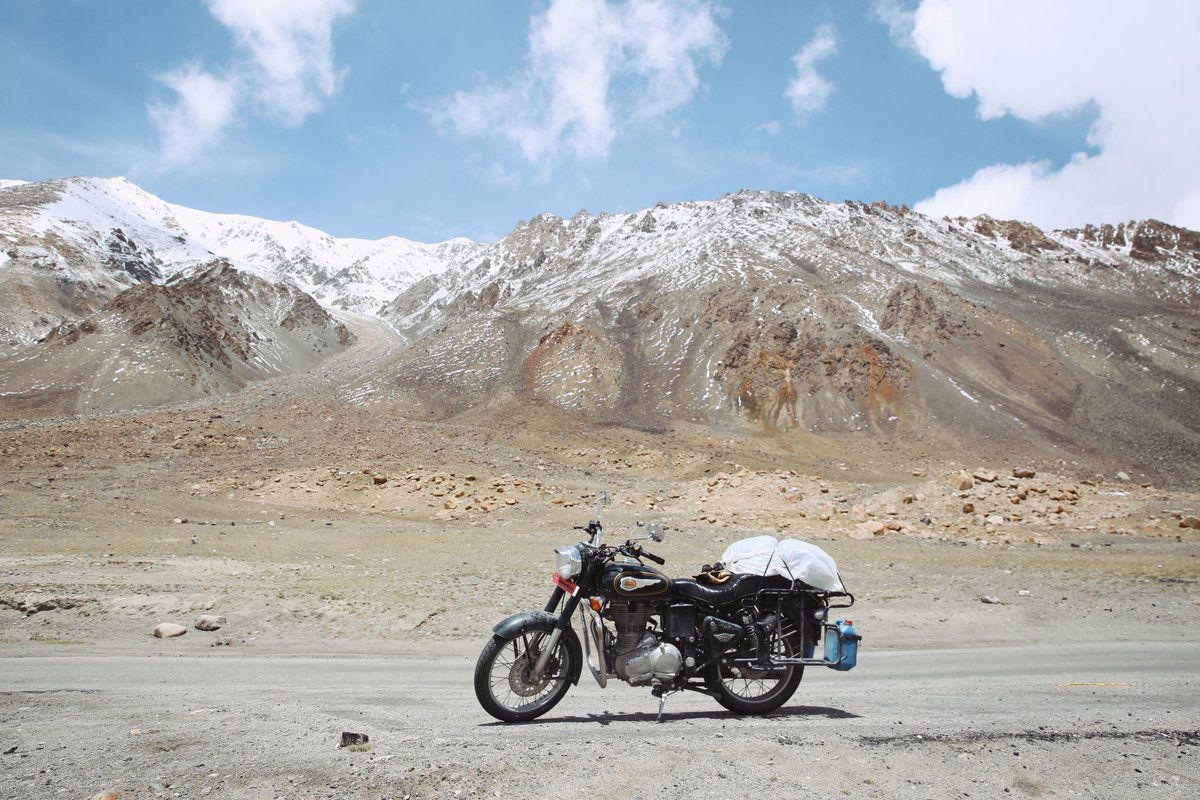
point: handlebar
(656, 559)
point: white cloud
(204, 107)
(1133, 65)
(898, 19)
(285, 70)
(290, 44)
(591, 67)
(809, 90)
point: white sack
(810, 564)
(750, 556)
(791, 558)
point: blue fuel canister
(841, 645)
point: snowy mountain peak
(105, 234)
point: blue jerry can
(841, 645)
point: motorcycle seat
(737, 587)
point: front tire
(504, 680)
(746, 690)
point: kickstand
(661, 694)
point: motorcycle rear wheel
(745, 690)
(504, 681)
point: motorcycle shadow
(669, 716)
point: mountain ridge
(758, 313)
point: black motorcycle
(744, 640)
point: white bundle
(791, 558)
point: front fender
(546, 622)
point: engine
(649, 660)
(640, 656)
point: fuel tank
(633, 580)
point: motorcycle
(742, 639)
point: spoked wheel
(505, 680)
(746, 689)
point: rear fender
(544, 622)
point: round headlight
(569, 561)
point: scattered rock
(107, 796)
(968, 508)
(349, 739)
(167, 630)
(985, 475)
(962, 480)
(990, 600)
(1123, 476)
(1190, 522)
(994, 519)
(210, 622)
(868, 530)
(1019, 472)
(859, 514)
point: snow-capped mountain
(68, 246)
(792, 314)
(204, 335)
(758, 311)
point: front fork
(564, 622)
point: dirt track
(1042, 721)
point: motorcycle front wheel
(505, 682)
(743, 689)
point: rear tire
(504, 680)
(745, 690)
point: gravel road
(1041, 721)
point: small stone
(379, 480)
(167, 630)
(180, 520)
(859, 514)
(962, 480)
(349, 738)
(995, 519)
(990, 600)
(1024, 593)
(985, 475)
(868, 530)
(1123, 476)
(968, 508)
(1019, 472)
(107, 796)
(210, 622)
(1190, 521)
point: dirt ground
(333, 526)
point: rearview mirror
(655, 529)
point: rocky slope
(828, 327)
(790, 315)
(199, 335)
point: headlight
(568, 561)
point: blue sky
(430, 120)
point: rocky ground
(332, 517)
